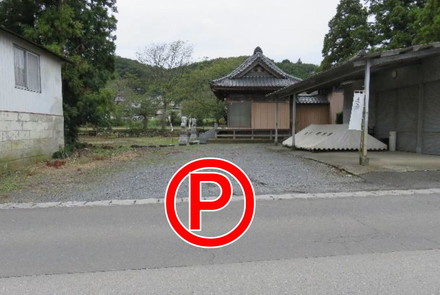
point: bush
(67, 150)
(64, 152)
(175, 119)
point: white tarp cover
(357, 111)
(332, 137)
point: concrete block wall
(25, 137)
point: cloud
(283, 28)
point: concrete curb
(399, 163)
(109, 203)
(336, 166)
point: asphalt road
(383, 244)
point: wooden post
(276, 123)
(363, 160)
(293, 99)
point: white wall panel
(49, 101)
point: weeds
(10, 182)
(83, 162)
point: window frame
(26, 69)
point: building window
(27, 70)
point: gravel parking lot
(272, 170)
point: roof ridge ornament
(258, 50)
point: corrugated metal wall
(407, 109)
(386, 114)
(397, 111)
(431, 124)
(399, 93)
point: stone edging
(358, 194)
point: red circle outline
(209, 242)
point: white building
(31, 102)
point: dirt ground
(132, 168)
(139, 168)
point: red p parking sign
(198, 172)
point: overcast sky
(289, 29)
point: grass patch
(122, 142)
(88, 162)
(10, 181)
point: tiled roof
(255, 82)
(312, 99)
(235, 79)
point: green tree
(20, 14)
(83, 32)
(348, 33)
(203, 108)
(429, 20)
(298, 69)
(196, 97)
(168, 62)
(137, 101)
(96, 108)
(396, 23)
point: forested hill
(125, 67)
(135, 82)
(219, 66)
(298, 69)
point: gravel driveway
(272, 170)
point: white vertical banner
(357, 110)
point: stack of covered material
(332, 137)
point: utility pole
(293, 99)
(276, 123)
(363, 157)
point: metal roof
(237, 78)
(312, 99)
(34, 44)
(354, 68)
